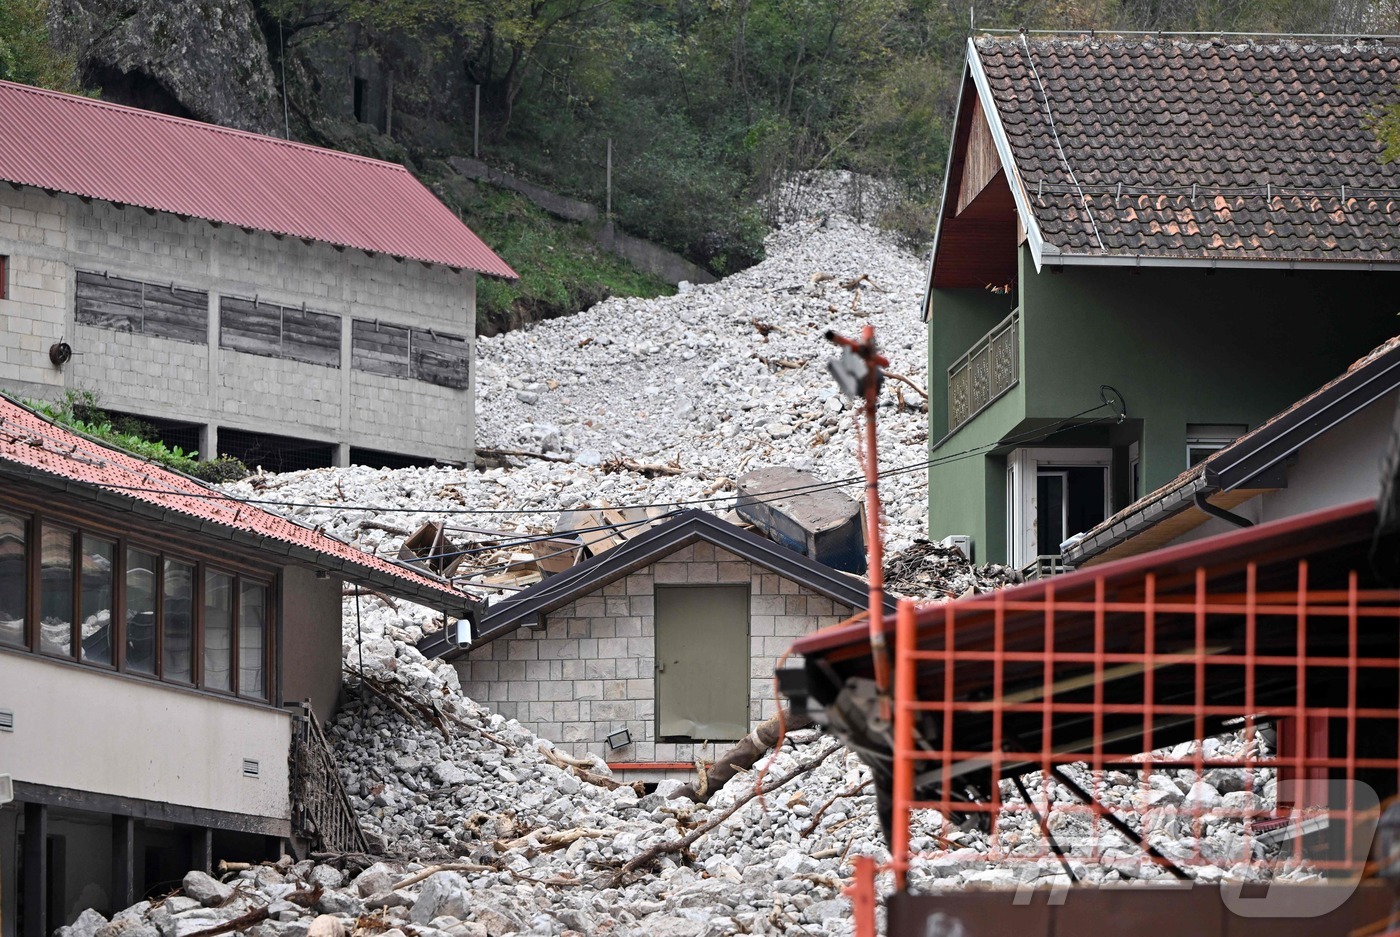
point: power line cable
(213, 494)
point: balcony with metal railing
(989, 369)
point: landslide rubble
(715, 380)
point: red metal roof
(30, 442)
(89, 148)
(1287, 538)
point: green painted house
(1147, 247)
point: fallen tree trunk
(521, 454)
(305, 898)
(432, 870)
(579, 769)
(685, 842)
(742, 756)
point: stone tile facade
(589, 672)
(48, 238)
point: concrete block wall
(253, 395)
(147, 368)
(32, 233)
(48, 238)
(378, 397)
(589, 672)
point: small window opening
(1205, 439)
(4, 277)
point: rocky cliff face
(206, 59)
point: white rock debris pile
(718, 380)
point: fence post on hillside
(607, 208)
(476, 125)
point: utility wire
(1045, 99)
(216, 495)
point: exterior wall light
(619, 739)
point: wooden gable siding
(978, 224)
(274, 331)
(122, 305)
(416, 354)
(980, 160)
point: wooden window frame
(36, 608)
(31, 578)
(36, 521)
(118, 594)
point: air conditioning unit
(962, 541)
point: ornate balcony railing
(989, 369)
(321, 811)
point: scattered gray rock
(205, 889)
(445, 893)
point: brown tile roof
(33, 447)
(1198, 150)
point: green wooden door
(702, 662)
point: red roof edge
(1298, 535)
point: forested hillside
(710, 105)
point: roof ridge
(1207, 36)
(196, 124)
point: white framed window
(1052, 494)
(1203, 439)
(1134, 472)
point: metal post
(861, 891)
(476, 125)
(123, 861)
(875, 572)
(282, 54)
(608, 209)
(905, 693)
(389, 105)
(867, 386)
(36, 870)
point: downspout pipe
(1224, 515)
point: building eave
(1058, 259)
(1243, 463)
(693, 526)
(436, 598)
(1034, 239)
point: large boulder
(206, 59)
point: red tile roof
(31, 445)
(1190, 149)
(66, 143)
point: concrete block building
(245, 294)
(657, 652)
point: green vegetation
(712, 105)
(80, 411)
(561, 269)
(26, 55)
